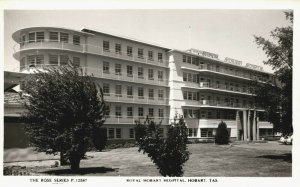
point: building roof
(16, 34)
(12, 98)
(88, 30)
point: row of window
(129, 91)
(190, 60)
(203, 114)
(53, 37)
(53, 60)
(204, 132)
(129, 69)
(129, 51)
(190, 77)
(202, 65)
(116, 133)
(194, 96)
(130, 111)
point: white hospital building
(141, 79)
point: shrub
(168, 154)
(222, 134)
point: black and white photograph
(161, 96)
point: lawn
(237, 160)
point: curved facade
(141, 79)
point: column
(254, 125)
(257, 128)
(237, 121)
(248, 125)
(245, 125)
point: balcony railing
(135, 99)
(87, 48)
(113, 119)
(216, 103)
(221, 87)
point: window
(129, 112)
(129, 92)
(118, 69)
(150, 112)
(118, 111)
(23, 40)
(192, 132)
(160, 75)
(185, 95)
(195, 78)
(195, 61)
(119, 90)
(141, 112)
(118, 48)
(131, 133)
(31, 37)
(150, 74)
(151, 94)
(217, 84)
(160, 94)
(129, 71)
(150, 55)
(184, 58)
(209, 115)
(206, 133)
(195, 96)
(106, 90)
(190, 77)
(106, 46)
(140, 53)
(39, 59)
(53, 59)
(159, 57)
(129, 51)
(76, 61)
(118, 133)
(64, 37)
(40, 36)
(185, 75)
(188, 59)
(107, 111)
(63, 59)
(111, 133)
(140, 72)
(53, 36)
(23, 63)
(141, 93)
(105, 67)
(76, 40)
(190, 95)
(160, 112)
(218, 115)
(34, 59)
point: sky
(228, 33)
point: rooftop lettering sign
(203, 53)
(254, 67)
(233, 61)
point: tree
(64, 109)
(168, 154)
(276, 97)
(222, 134)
